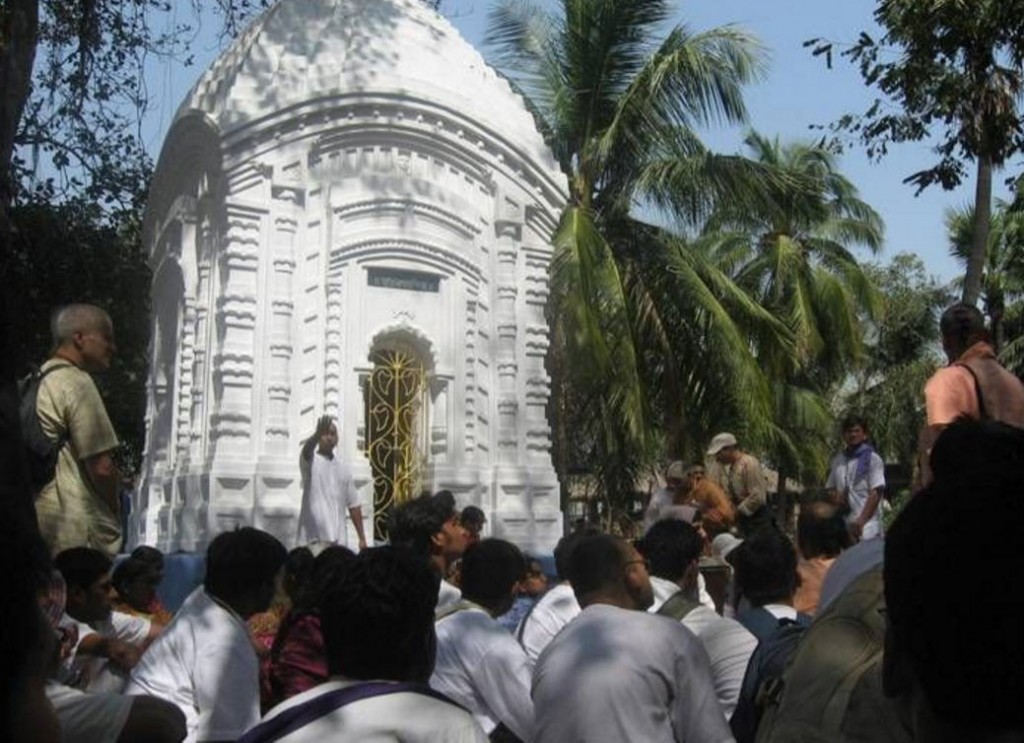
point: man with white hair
(664, 498)
(80, 507)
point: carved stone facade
(347, 178)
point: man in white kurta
(617, 673)
(328, 491)
(673, 550)
(479, 664)
(482, 667)
(379, 642)
(727, 642)
(549, 615)
(409, 716)
(205, 663)
(328, 495)
(204, 660)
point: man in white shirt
(109, 642)
(378, 626)
(616, 672)
(430, 526)
(479, 664)
(856, 478)
(673, 549)
(204, 661)
(328, 490)
(557, 607)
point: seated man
(954, 649)
(472, 520)
(136, 580)
(717, 513)
(109, 642)
(765, 584)
(617, 673)
(101, 717)
(557, 607)
(673, 549)
(109, 717)
(479, 664)
(528, 593)
(430, 527)
(766, 581)
(205, 661)
(378, 626)
(821, 534)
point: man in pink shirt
(974, 385)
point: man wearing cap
(663, 499)
(739, 475)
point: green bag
(831, 691)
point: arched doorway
(396, 429)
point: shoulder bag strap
(301, 715)
(982, 412)
(677, 606)
(460, 605)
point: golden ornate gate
(395, 425)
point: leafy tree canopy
(953, 69)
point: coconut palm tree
(640, 321)
(792, 255)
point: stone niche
(347, 185)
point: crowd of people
(841, 631)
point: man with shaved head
(79, 508)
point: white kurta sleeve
(503, 679)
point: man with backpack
(766, 579)
(79, 507)
(974, 384)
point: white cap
(721, 441)
(676, 471)
(723, 544)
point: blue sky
(798, 91)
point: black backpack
(41, 451)
(766, 665)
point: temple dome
(299, 53)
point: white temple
(350, 215)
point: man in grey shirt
(616, 672)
